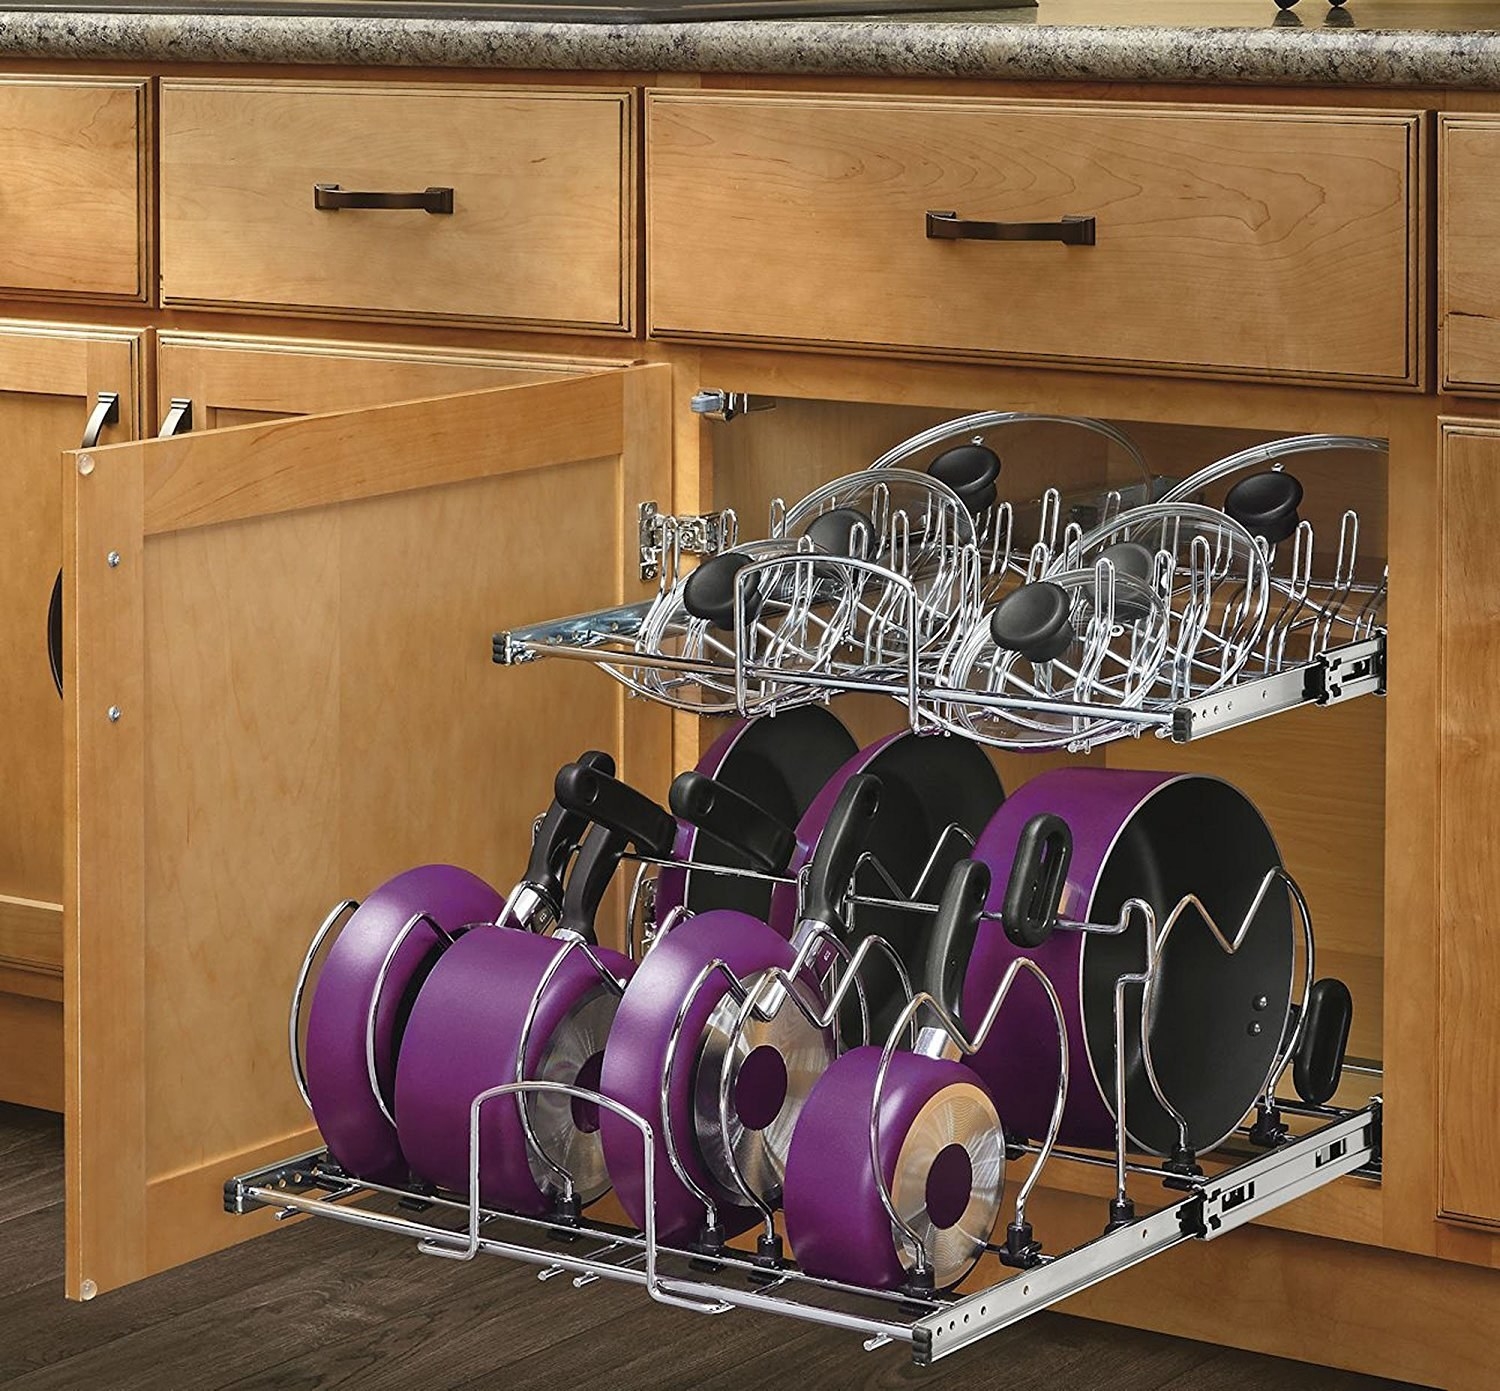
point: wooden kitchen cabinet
(51, 380)
(281, 693)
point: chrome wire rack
(1303, 1148)
(1169, 614)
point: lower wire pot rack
(1211, 1206)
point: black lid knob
(834, 532)
(709, 591)
(970, 470)
(1265, 504)
(1132, 561)
(1033, 620)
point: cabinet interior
(1318, 775)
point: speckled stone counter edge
(1310, 57)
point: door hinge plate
(664, 534)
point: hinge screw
(114, 714)
(113, 560)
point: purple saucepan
(942, 1152)
(1218, 1019)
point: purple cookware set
(869, 977)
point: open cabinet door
(280, 693)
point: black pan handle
(733, 820)
(589, 881)
(1318, 1066)
(1070, 231)
(330, 198)
(559, 834)
(839, 847)
(954, 931)
(1037, 878)
(605, 799)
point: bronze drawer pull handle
(329, 198)
(1071, 231)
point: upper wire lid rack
(1148, 609)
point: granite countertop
(1383, 43)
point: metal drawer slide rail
(934, 1326)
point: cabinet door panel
(307, 706)
(1469, 864)
(49, 378)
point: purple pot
(465, 1036)
(928, 782)
(635, 1066)
(1219, 1018)
(942, 1155)
(348, 1113)
(780, 763)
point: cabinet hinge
(664, 534)
(726, 405)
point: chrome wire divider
(1213, 627)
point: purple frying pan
(665, 1059)
(1218, 1019)
(389, 946)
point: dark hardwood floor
(320, 1305)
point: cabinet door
(234, 379)
(1468, 826)
(279, 697)
(50, 378)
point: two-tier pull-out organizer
(1176, 608)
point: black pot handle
(589, 881)
(839, 847)
(734, 820)
(1037, 878)
(600, 797)
(559, 834)
(954, 931)
(1318, 1066)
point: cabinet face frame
(127, 1217)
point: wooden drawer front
(1468, 261)
(73, 186)
(1252, 243)
(542, 201)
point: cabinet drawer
(541, 201)
(1241, 242)
(74, 175)
(1468, 269)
